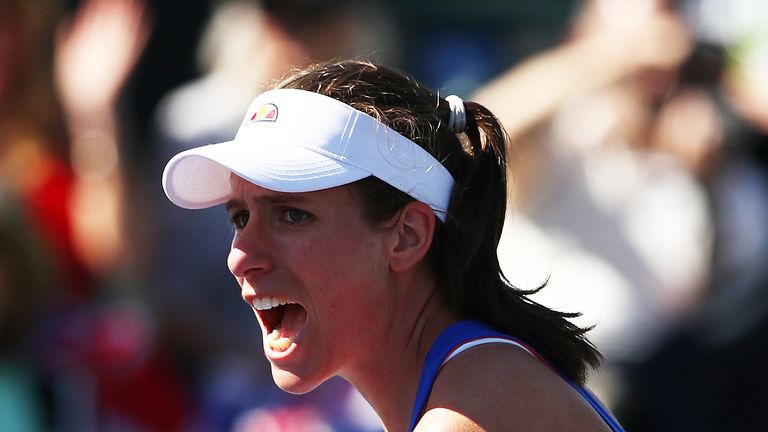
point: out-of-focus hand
(643, 33)
(96, 51)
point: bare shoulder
(499, 387)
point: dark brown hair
(464, 247)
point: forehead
(244, 191)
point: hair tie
(457, 121)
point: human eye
(239, 219)
(294, 216)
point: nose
(247, 255)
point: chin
(292, 383)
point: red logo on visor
(265, 113)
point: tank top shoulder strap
(464, 335)
(441, 351)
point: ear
(414, 230)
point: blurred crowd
(638, 195)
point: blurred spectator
(640, 186)
(620, 226)
(597, 193)
(34, 184)
(713, 365)
(78, 353)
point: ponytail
(467, 263)
(477, 208)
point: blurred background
(639, 167)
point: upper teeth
(266, 303)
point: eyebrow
(275, 198)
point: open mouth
(283, 321)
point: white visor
(299, 141)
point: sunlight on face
(314, 271)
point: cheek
(348, 276)
(349, 257)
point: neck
(389, 381)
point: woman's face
(315, 273)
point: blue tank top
(465, 334)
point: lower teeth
(278, 343)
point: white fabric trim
(473, 343)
